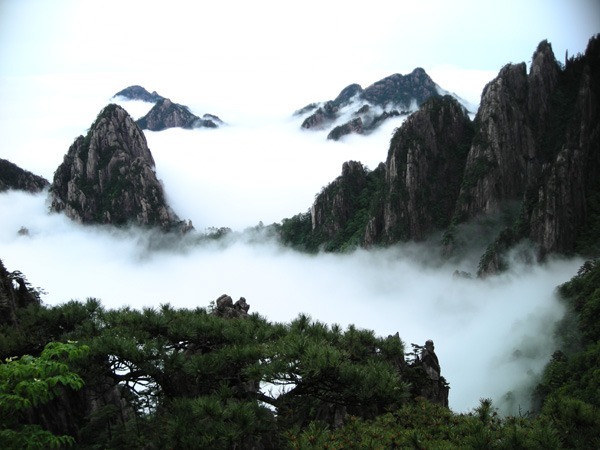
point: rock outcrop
(166, 114)
(138, 93)
(354, 126)
(224, 307)
(529, 162)
(434, 388)
(390, 97)
(13, 177)
(108, 177)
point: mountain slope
(108, 176)
(166, 114)
(361, 111)
(13, 177)
(138, 93)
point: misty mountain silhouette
(361, 111)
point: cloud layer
(492, 336)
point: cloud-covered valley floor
(492, 336)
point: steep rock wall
(108, 176)
(424, 169)
(337, 203)
(568, 188)
(530, 161)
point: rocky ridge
(166, 114)
(423, 174)
(108, 177)
(529, 162)
(13, 177)
(138, 93)
(361, 111)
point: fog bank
(492, 336)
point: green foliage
(190, 379)
(297, 232)
(29, 382)
(363, 198)
(576, 422)
(422, 425)
(588, 239)
(217, 422)
(570, 388)
(582, 293)
(13, 177)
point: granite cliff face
(13, 177)
(424, 169)
(531, 156)
(398, 200)
(565, 215)
(166, 114)
(368, 108)
(108, 176)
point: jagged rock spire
(108, 176)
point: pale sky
(283, 46)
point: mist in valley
(492, 336)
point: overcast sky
(270, 49)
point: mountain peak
(167, 114)
(392, 96)
(138, 93)
(108, 176)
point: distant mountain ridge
(529, 163)
(165, 113)
(13, 177)
(361, 111)
(138, 93)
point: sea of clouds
(492, 336)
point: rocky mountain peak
(432, 144)
(167, 114)
(347, 94)
(402, 90)
(543, 80)
(138, 93)
(108, 176)
(392, 96)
